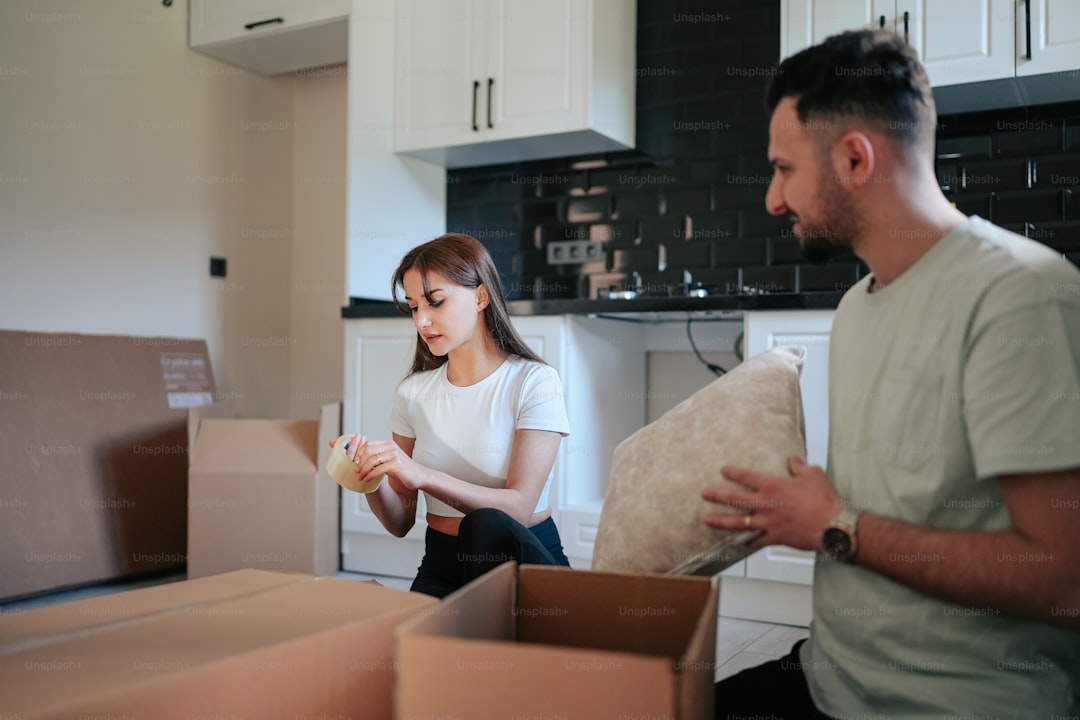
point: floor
(739, 643)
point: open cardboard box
(246, 644)
(535, 641)
(258, 496)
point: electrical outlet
(217, 267)
(574, 252)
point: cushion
(653, 516)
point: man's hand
(792, 510)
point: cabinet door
(807, 22)
(1055, 38)
(216, 21)
(536, 52)
(377, 356)
(961, 41)
(440, 56)
(810, 329)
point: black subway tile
(974, 205)
(715, 280)
(713, 226)
(1072, 134)
(682, 254)
(759, 223)
(974, 146)
(536, 212)
(769, 279)
(667, 229)
(993, 175)
(739, 251)
(691, 144)
(635, 204)
(688, 201)
(948, 175)
(1061, 171)
(613, 232)
(588, 209)
(830, 277)
(640, 258)
(1024, 137)
(1072, 204)
(1031, 206)
(785, 249)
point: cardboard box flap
(486, 615)
(256, 446)
(197, 414)
(57, 622)
(654, 614)
(292, 641)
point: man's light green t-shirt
(966, 368)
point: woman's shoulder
(532, 370)
(421, 379)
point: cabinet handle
(491, 81)
(259, 23)
(906, 14)
(475, 89)
(881, 22)
(1027, 27)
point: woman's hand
(384, 457)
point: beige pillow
(653, 516)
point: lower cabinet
(774, 584)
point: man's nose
(774, 198)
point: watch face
(837, 543)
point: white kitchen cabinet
(1055, 38)
(271, 36)
(481, 82)
(601, 364)
(775, 583)
(959, 42)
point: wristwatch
(839, 536)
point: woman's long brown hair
(463, 260)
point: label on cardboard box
(187, 380)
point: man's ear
(853, 158)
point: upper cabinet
(962, 43)
(272, 36)
(480, 82)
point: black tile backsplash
(696, 181)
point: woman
(476, 425)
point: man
(947, 527)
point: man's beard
(838, 225)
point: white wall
(318, 251)
(394, 202)
(127, 160)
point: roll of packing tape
(343, 470)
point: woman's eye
(412, 308)
(437, 303)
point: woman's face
(452, 318)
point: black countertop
(642, 309)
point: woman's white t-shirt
(468, 432)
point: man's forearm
(1001, 570)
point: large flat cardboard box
(93, 456)
(248, 644)
(258, 496)
(539, 642)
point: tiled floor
(739, 643)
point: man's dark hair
(871, 75)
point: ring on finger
(746, 520)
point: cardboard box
(249, 644)
(93, 467)
(553, 642)
(258, 496)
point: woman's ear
(482, 298)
